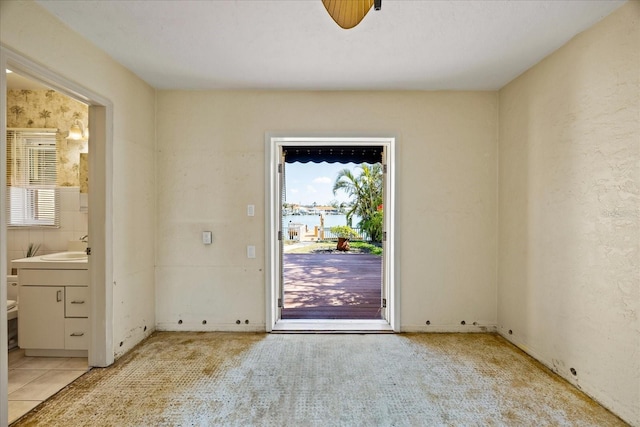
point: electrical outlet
(207, 237)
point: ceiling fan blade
(347, 13)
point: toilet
(12, 311)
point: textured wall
(211, 158)
(569, 186)
(31, 31)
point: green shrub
(344, 231)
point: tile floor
(34, 379)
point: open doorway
(339, 314)
(99, 118)
(47, 217)
(333, 250)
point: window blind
(32, 194)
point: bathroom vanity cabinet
(54, 309)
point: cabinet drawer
(53, 277)
(76, 301)
(76, 334)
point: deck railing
(328, 235)
(297, 232)
(294, 231)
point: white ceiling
(294, 44)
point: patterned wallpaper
(84, 173)
(50, 109)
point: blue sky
(313, 182)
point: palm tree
(17, 110)
(45, 114)
(365, 190)
(26, 93)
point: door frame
(100, 217)
(273, 148)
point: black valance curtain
(332, 154)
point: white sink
(65, 256)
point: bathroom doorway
(98, 119)
(279, 148)
(47, 173)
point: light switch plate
(207, 237)
(251, 251)
(251, 210)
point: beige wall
(34, 33)
(569, 190)
(211, 158)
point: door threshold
(345, 326)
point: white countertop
(37, 263)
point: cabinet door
(41, 318)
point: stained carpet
(234, 379)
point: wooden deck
(332, 286)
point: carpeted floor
(219, 379)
